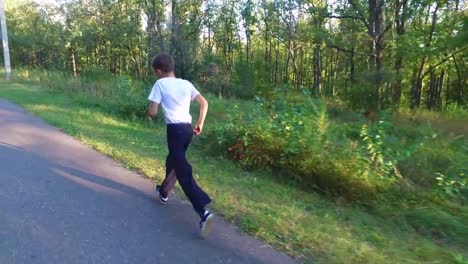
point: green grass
(307, 225)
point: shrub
(453, 186)
(296, 140)
(384, 150)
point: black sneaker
(206, 223)
(162, 199)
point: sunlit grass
(309, 226)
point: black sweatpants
(179, 137)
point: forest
(373, 55)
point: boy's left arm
(153, 110)
(203, 110)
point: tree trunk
(174, 28)
(379, 47)
(439, 90)
(417, 86)
(276, 62)
(400, 21)
(460, 81)
(155, 16)
(286, 67)
(73, 61)
(328, 69)
(447, 89)
(431, 90)
(352, 73)
(317, 86)
(435, 90)
(247, 15)
(376, 32)
(335, 74)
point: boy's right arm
(155, 98)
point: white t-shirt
(174, 95)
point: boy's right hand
(197, 130)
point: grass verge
(306, 225)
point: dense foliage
(307, 142)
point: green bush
(293, 135)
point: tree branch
(442, 61)
(387, 28)
(361, 17)
(339, 48)
(342, 17)
(345, 50)
(348, 17)
(197, 28)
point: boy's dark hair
(163, 62)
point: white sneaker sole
(206, 228)
(161, 199)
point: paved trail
(62, 202)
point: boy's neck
(168, 74)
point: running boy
(175, 95)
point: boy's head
(162, 64)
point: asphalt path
(63, 202)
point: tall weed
(115, 94)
